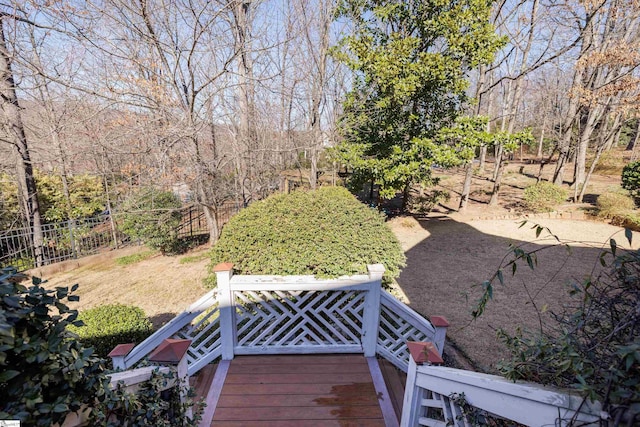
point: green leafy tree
(86, 197)
(410, 60)
(9, 204)
(153, 216)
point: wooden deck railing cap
(223, 266)
(424, 352)
(170, 351)
(121, 350)
(439, 321)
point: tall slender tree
(13, 133)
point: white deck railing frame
(363, 319)
(525, 403)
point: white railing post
(441, 324)
(118, 354)
(371, 316)
(228, 332)
(420, 353)
(412, 397)
(174, 352)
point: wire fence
(81, 237)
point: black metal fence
(61, 241)
(81, 237)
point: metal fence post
(74, 253)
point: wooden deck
(298, 390)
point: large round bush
(109, 325)
(325, 232)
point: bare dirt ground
(447, 256)
(447, 252)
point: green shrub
(153, 216)
(109, 325)
(149, 406)
(543, 196)
(631, 179)
(610, 163)
(612, 205)
(422, 202)
(629, 220)
(44, 372)
(325, 232)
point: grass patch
(134, 258)
(193, 258)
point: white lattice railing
(435, 396)
(198, 323)
(399, 324)
(293, 314)
(298, 314)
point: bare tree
(14, 134)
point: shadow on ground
(453, 256)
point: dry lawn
(160, 285)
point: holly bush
(45, 372)
(325, 232)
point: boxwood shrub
(325, 232)
(109, 325)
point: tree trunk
(482, 159)
(247, 134)
(634, 140)
(15, 134)
(496, 184)
(466, 187)
(541, 140)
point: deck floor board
(294, 390)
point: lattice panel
(394, 332)
(302, 318)
(204, 333)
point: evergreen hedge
(325, 232)
(631, 179)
